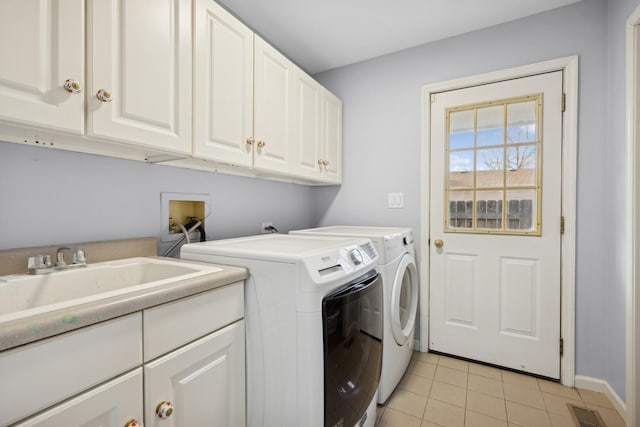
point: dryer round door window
(404, 300)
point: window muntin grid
(493, 167)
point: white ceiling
(319, 35)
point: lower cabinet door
(112, 404)
(200, 384)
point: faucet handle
(79, 257)
(39, 263)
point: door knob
(438, 243)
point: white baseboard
(602, 386)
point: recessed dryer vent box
(181, 208)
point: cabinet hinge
(561, 347)
(564, 102)
(562, 224)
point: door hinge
(562, 224)
(564, 102)
(561, 347)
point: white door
(204, 381)
(113, 404)
(42, 46)
(273, 109)
(307, 136)
(223, 86)
(140, 58)
(404, 300)
(496, 223)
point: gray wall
(52, 196)
(382, 120)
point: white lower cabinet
(98, 376)
(113, 404)
(203, 381)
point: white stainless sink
(22, 295)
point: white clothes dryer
(397, 266)
(313, 349)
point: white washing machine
(397, 266)
(314, 350)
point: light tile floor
(441, 391)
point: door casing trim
(569, 66)
(632, 104)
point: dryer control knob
(355, 256)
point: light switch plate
(395, 200)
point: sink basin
(23, 295)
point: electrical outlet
(265, 227)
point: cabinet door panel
(332, 137)
(223, 116)
(273, 125)
(141, 53)
(307, 118)
(41, 46)
(110, 405)
(61, 366)
(204, 381)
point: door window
(493, 180)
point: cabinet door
(332, 137)
(223, 84)
(140, 51)
(307, 118)
(204, 381)
(41, 46)
(273, 109)
(111, 405)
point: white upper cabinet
(179, 81)
(307, 118)
(223, 86)
(331, 138)
(140, 62)
(273, 109)
(42, 46)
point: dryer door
(404, 300)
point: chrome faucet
(41, 264)
(77, 256)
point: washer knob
(355, 256)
